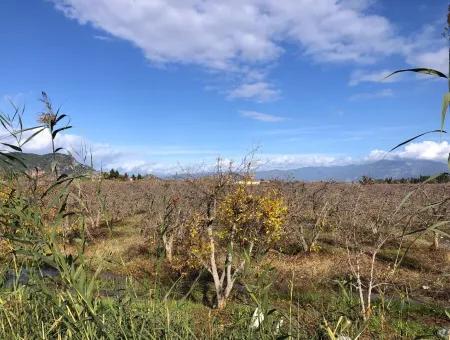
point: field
(294, 260)
(127, 212)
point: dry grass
(126, 240)
(130, 244)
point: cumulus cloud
(221, 34)
(427, 150)
(424, 48)
(263, 117)
(133, 159)
(167, 159)
(176, 159)
(207, 33)
(436, 59)
(41, 143)
(243, 36)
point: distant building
(247, 180)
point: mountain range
(395, 169)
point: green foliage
(115, 174)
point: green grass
(408, 261)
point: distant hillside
(66, 164)
(395, 169)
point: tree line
(115, 174)
(443, 178)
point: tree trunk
(98, 220)
(221, 301)
(435, 245)
(168, 247)
(218, 281)
(303, 239)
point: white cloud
(259, 91)
(424, 48)
(428, 150)
(133, 159)
(424, 150)
(292, 161)
(243, 36)
(169, 159)
(361, 76)
(436, 59)
(221, 34)
(41, 143)
(209, 33)
(173, 159)
(372, 95)
(263, 117)
(359, 4)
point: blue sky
(156, 86)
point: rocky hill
(65, 164)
